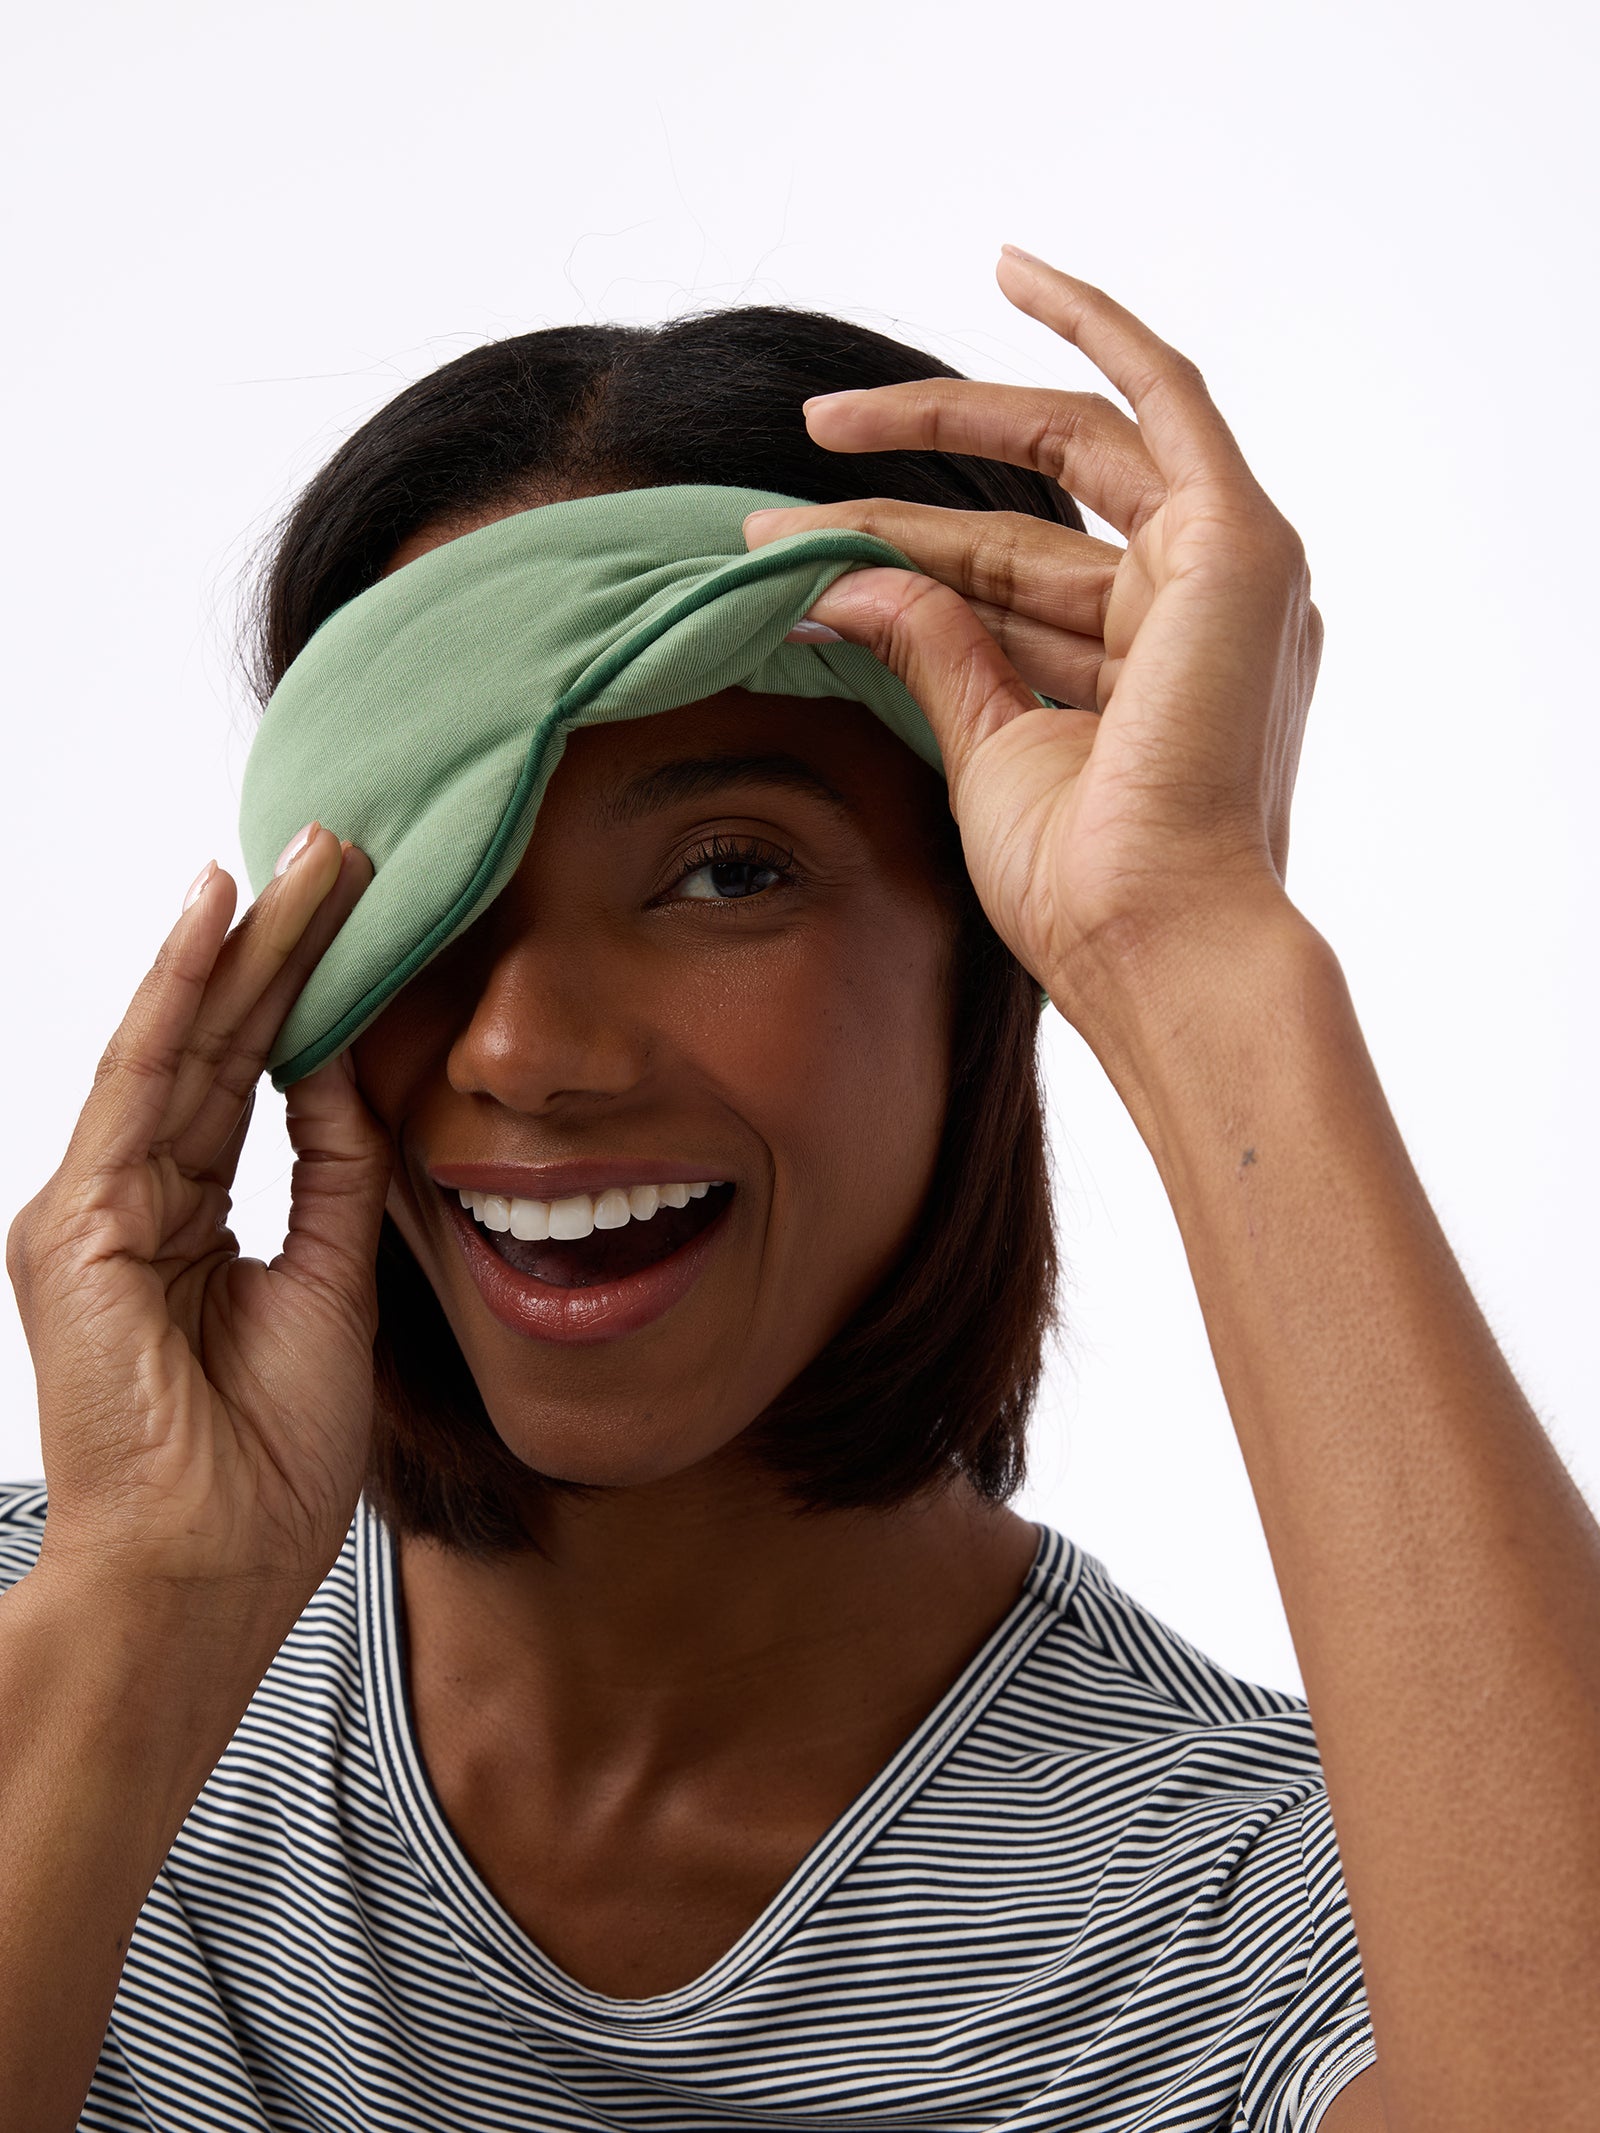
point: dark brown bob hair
(936, 1375)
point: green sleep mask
(424, 718)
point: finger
(237, 1072)
(1061, 664)
(337, 1188)
(224, 1161)
(135, 1074)
(928, 636)
(1048, 573)
(252, 958)
(1187, 439)
(1080, 440)
(1057, 663)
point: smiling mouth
(606, 1255)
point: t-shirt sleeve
(113, 2104)
(1323, 2037)
(22, 1506)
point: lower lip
(540, 1311)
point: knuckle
(1263, 539)
(109, 1064)
(916, 596)
(1058, 428)
(1069, 424)
(1166, 375)
(915, 610)
(20, 1247)
(39, 1235)
(209, 1046)
(872, 514)
(122, 1057)
(927, 399)
(1006, 554)
(164, 973)
(1287, 556)
(874, 602)
(1288, 547)
(1187, 370)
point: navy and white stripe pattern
(1096, 1892)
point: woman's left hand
(1439, 1568)
(1159, 799)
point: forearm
(1439, 1569)
(109, 1730)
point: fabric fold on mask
(424, 718)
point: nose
(549, 1026)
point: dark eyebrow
(693, 777)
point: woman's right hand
(205, 1418)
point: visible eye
(733, 871)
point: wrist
(149, 1684)
(1196, 998)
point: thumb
(341, 1173)
(928, 636)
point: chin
(621, 1453)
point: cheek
(390, 1063)
(841, 1073)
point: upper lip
(560, 1181)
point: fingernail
(814, 633)
(1015, 251)
(755, 518)
(292, 850)
(822, 399)
(199, 882)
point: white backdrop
(237, 231)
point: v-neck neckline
(493, 1941)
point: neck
(672, 1621)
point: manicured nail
(814, 633)
(199, 882)
(292, 850)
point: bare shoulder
(1357, 2108)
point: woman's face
(771, 1010)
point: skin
(205, 1419)
(795, 1038)
(628, 1736)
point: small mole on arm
(1245, 1161)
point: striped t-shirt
(1097, 1891)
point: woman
(680, 1731)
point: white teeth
(580, 1213)
(573, 1218)
(612, 1209)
